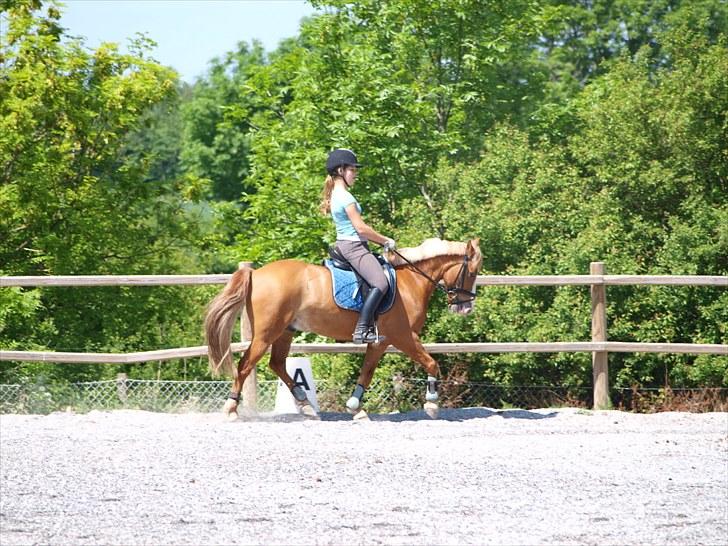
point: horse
(287, 296)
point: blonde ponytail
(325, 206)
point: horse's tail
(220, 319)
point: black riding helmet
(340, 158)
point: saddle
(350, 289)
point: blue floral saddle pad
(348, 293)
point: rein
(451, 291)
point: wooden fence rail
(331, 348)
(599, 346)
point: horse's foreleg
(371, 359)
(413, 348)
(247, 364)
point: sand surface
(475, 476)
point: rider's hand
(389, 245)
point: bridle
(452, 291)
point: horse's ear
(473, 244)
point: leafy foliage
(75, 200)
(560, 132)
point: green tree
(405, 83)
(581, 40)
(216, 120)
(584, 37)
(641, 186)
(75, 200)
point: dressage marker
(299, 368)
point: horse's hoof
(308, 411)
(362, 416)
(432, 410)
(230, 410)
(248, 414)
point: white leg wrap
(355, 401)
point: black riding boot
(364, 331)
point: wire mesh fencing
(383, 396)
(397, 394)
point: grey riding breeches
(357, 253)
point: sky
(189, 33)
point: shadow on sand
(446, 414)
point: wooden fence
(599, 346)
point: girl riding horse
(286, 296)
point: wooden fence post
(600, 360)
(121, 387)
(250, 387)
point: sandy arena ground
(476, 476)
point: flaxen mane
(430, 248)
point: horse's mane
(430, 248)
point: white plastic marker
(299, 368)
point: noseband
(452, 291)
(459, 288)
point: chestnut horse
(286, 296)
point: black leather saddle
(350, 290)
(337, 258)
(339, 262)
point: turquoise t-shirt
(340, 199)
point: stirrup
(368, 335)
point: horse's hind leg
(412, 347)
(278, 353)
(247, 364)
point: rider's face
(350, 173)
